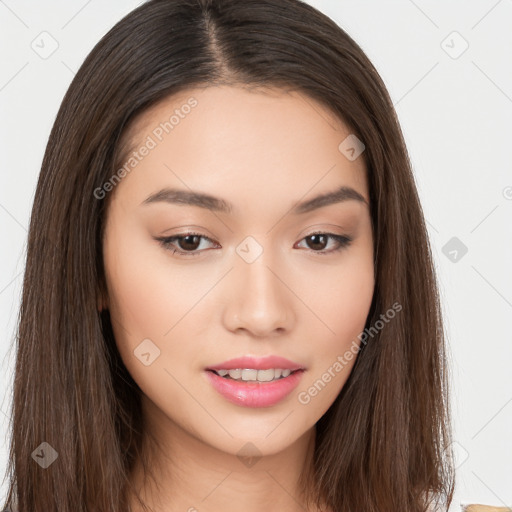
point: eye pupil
(186, 240)
(315, 238)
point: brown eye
(317, 242)
(186, 245)
(189, 242)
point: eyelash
(166, 242)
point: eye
(320, 239)
(188, 243)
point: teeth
(251, 375)
(235, 374)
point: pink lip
(257, 363)
(254, 394)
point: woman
(229, 297)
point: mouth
(253, 375)
(254, 388)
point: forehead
(230, 139)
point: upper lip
(257, 363)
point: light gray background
(455, 111)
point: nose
(260, 301)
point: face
(254, 270)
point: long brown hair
(384, 444)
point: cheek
(142, 302)
(341, 300)
(349, 304)
(137, 299)
(147, 306)
(340, 297)
(148, 294)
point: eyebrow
(190, 198)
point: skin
(263, 151)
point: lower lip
(255, 394)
